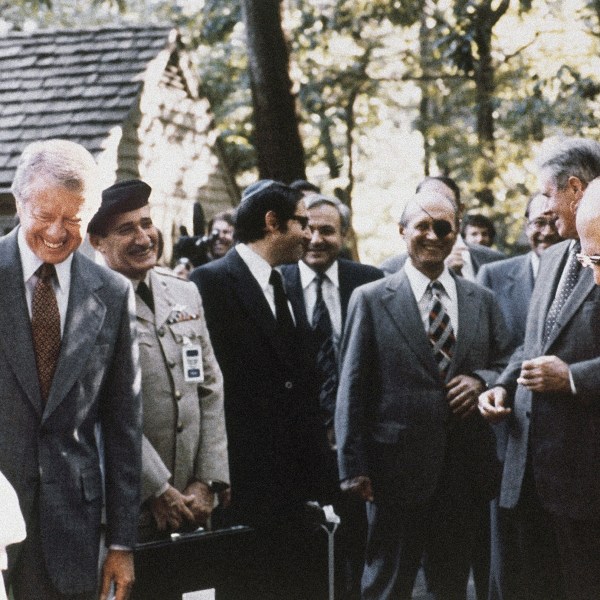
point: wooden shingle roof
(74, 84)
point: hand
(201, 503)
(358, 486)
(224, 497)
(463, 391)
(117, 568)
(545, 374)
(171, 510)
(455, 260)
(491, 405)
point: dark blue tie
(326, 359)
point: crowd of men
(447, 405)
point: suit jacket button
(179, 427)
(161, 331)
(528, 414)
(172, 364)
(289, 385)
(177, 395)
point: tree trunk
(277, 140)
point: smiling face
(562, 202)
(541, 230)
(130, 246)
(51, 222)
(426, 250)
(326, 237)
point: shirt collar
(259, 267)
(31, 263)
(419, 282)
(307, 275)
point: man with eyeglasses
(512, 282)
(551, 394)
(277, 444)
(418, 348)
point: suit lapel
(585, 284)
(85, 315)
(468, 310)
(345, 289)
(252, 299)
(15, 323)
(399, 302)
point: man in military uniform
(184, 453)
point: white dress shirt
(535, 264)
(261, 271)
(31, 263)
(331, 295)
(419, 282)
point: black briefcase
(200, 560)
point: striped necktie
(440, 332)
(326, 358)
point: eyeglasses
(540, 223)
(303, 220)
(588, 261)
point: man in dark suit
(277, 443)
(323, 277)
(465, 259)
(550, 393)
(68, 373)
(418, 348)
(512, 281)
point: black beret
(119, 198)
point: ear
(577, 187)
(96, 242)
(271, 222)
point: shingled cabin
(129, 96)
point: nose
(142, 237)
(56, 230)
(315, 236)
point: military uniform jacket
(184, 422)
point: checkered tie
(440, 332)
(326, 360)
(45, 326)
(565, 287)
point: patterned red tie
(45, 326)
(440, 332)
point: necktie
(565, 287)
(143, 291)
(326, 359)
(285, 323)
(45, 327)
(440, 332)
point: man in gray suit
(68, 371)
(550, 393)
(465, 259)
(418, 348)
(512, 281)
(184, 457)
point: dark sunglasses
(301, 219)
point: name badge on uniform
(193, 370)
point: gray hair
(60, 162)
(312, 200)
(565, 157)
